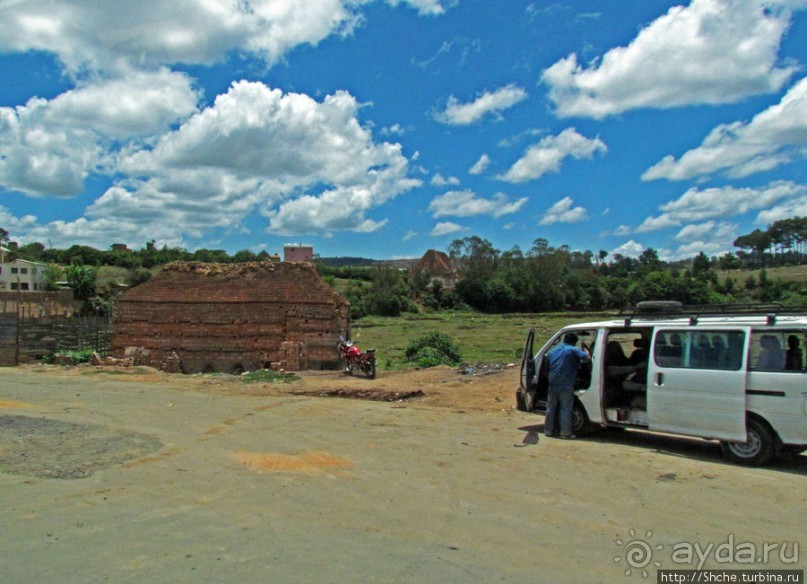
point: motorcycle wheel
(347, 368)
(369, 369)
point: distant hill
(341, 262)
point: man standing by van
(564, 361)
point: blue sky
(384, 128)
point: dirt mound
(368, 394)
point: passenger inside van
(623, 378)
(668, 350)
(794, 359)
(772, 357)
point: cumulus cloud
(480, 165)
(114, 34)
(698, 205)
(710, 52)
(108, 35)
(306, 165)
(263, 146)
(468, 204)
(775, 136)
(629, 249)
(49, 147)
(711, 237)
(564, 211)
(446, 228)
(439, 180)
(432, 7)
(548, 155)
(177, 170)
(489, 102)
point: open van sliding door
(696, 382)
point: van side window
(777, 350)
(701, 349)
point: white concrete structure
(22, 275)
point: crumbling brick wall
(233, 317)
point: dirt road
(144, 477)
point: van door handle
(659, 379)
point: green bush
(433, 349)
(79, 357)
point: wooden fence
(28, 339)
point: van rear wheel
(757, 450)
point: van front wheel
(757, 450)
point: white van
(733, 374)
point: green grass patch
(482, 338)
(268, 376)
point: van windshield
(701, 349)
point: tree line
(543, 278)
(546, 278)
(783, 242)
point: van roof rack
(660, 309)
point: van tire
(581, 426)
(758, 450)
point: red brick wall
(226, 318)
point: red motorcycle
(356, 359)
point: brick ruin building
(203, 317)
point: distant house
(439, 267)
(22, 275)
(298, 252)
(229, 318)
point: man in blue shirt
(564, 362)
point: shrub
(433, 349)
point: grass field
(482, 338)
(786, 273)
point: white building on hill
(21, 275)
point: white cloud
(467, 204)
(710, 237)
(629, 249)
(439, 180)
(177, 171)
(793, 208)
(564, 212)
(773, 137)
(548, 155)
(393, 130)
(50, 146)
(446, 228)
(409, 235)
(710, 52)
(340, 209)
(108, 35)
(480, 165)
(306, 165)
(622, 231)
(489, 102)
(709, 229)
(431, 7)
(699, 205)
